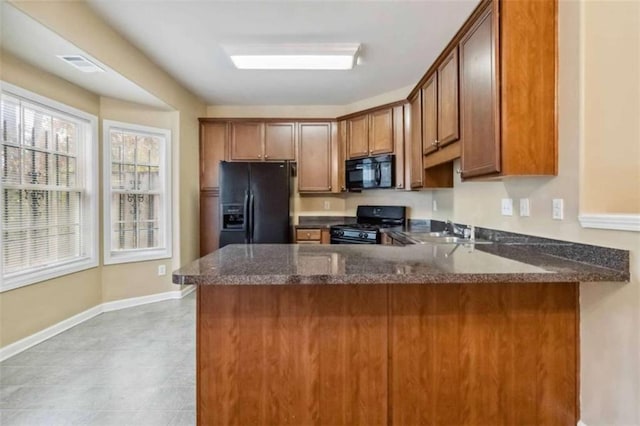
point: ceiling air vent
(81, 63)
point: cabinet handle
(400, 185)
(459, 171)
(435, 143)
(259, 156)
(308, 234)
(266, 156)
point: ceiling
(400, 39)
(37, 45)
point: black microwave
(370, 172)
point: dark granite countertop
(313, 222)
(522, 261)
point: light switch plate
(434, 206)
(525, 207)
(557, 209)
(507, 207)
(327, 205)
(162, 270)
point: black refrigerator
(254, 203)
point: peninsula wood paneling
(483, 354)
(292, 355)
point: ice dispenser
(232, 217)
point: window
(137, 194)
(48, 207)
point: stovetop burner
(370, 220)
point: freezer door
(234, 182)
(234, 191)
(269, 203)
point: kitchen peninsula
(421, 334)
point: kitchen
(460, 204)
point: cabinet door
(314, 157)
(415, 152)
(358, 137)
(430, 115)
(398, 141)
(448, 112)
(479, 99)
(342, 156)
(246, 141)
(213, 140)
(381, 132)
(279, 141)
(209, 222)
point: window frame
(165, 251)
(88, 146)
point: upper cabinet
(279, 141)
(448, 111)
(262, 141)
(508, 81)
(246, 142)
(381, 132)
(213, 143)
(315, 156)
(371, 134)
(413, 151)
(440, 123)
(358, 136)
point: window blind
(42, 188)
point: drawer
(308, 235)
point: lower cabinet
(209, 221)
(312, 236)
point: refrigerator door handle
(251, 218)
(245, 224)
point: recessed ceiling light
(81, 63)
(331, 56)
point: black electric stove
(369, 221)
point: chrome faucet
(458, 231)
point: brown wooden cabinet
(209, 222)
(246, 141)
(399, 144)
(448, 106)
(371, 134)
(440, 124)
(430, 115)
(381, 132)
(279, 141)
(358, 138)
(213, 143)
(262, 141)
(415, 171)
(508, 81)
(315, 157)
(312, 236)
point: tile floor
(135, 366)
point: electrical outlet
(434, 206)
(557, 209)
(507, 207)
(525, 207)
(327, 205)
(162, 270)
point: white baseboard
(42, 335)
(143, 300)
(618, 222)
